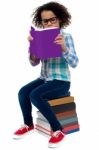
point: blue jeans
(38, 92)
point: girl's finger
(58, 42)
(59, 37)
(30, 38)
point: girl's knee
(22, 91)
(23, 95)
(34, 97)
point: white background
(15, 71)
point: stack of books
(65, 111)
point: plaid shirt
(58, 68)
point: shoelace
(56, 134)
(24, 126)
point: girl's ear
(41, 26)
(60, 21)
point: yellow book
(59, 101)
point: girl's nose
(49, 23)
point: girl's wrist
(64, 48)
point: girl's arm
(70, 53)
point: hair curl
(58, 9)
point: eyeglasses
(52, 20)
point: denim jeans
(38, 92)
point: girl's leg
(24, 100)
(50, 90)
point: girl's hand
(30, 38)
(61, 41)
(33, 57)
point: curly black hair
(58, 9)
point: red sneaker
(56, 139)
(24, 130)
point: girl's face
(49, 19)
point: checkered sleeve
(70, 54)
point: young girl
(54, 80)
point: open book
(42, 45)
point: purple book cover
(42, 45)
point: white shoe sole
(53, 145)
(16, 137)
